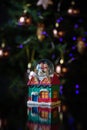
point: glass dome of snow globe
(44, 68)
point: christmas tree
(41, 29)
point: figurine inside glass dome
(43, 74)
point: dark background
(13, 99)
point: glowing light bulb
(70, 11)
(29, 65)
(3, 45)
(57, 24)
(55, 32)
(61, 61)
(22, 19)
(1, 52)
(77, 92)
(58, 69)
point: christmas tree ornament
(3, 44)
(73, 10)
(28, 20)
(5, 53)
(21, 20)
(40, 31)
(61, 33)
(25, 19)
(55, 33)
(1, 52)
(80, 46)
(44, 3)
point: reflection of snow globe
(44, 69)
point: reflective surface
(70, 115)
(44, 118)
